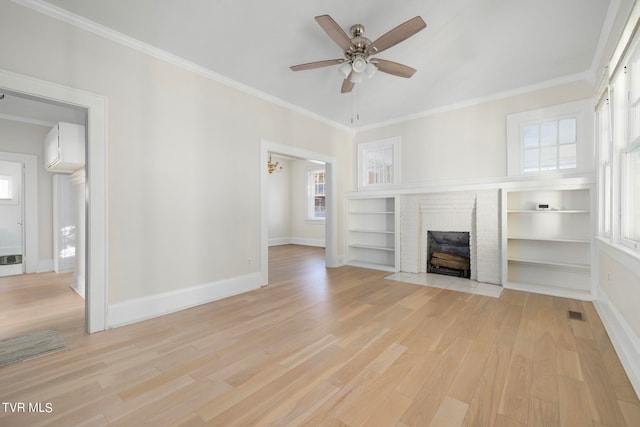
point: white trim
(584, 295)
(624, 340)
(30, 205)
(507, 182)
(130, 42)
(362, 168)
(308, 242)
(96, 208)
(582, 111)
(278, 241)
(139, 309)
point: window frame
(604, 144)
(362, 170)
(582, 111)
(311, 194)
(629, 144)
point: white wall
(183, 156)
(25, 138)
(466, 143)
(279, 203)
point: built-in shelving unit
(371, 232)
(548, 251)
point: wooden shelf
(371, 213)
(543, 239)
(550, 263)
(359, 230)
(562, 211)
(378, 248)
(548, 251)
(371, 239)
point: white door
(11, 219)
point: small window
(556, 139)
(317, 202)
(549, 145)
(378, 163)
(5, 188)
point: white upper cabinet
(64, 148)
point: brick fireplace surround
(476, 212)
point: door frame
(29, 208)
(331, 190)
(96, 314)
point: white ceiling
(470, 49)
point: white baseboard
(44, 265)
(549, 290)
(624, 340)
(296, 241)
(139, 309)
(307, 242)
(277, 241)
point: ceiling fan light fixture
(358, 64)
(356, 77)
(345, 69)
(370, 70)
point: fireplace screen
(449, 253)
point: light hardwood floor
(341, 347)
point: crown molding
(130, 42)
(122, 39)
(584, 76)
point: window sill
(621, 253)
(315, 220)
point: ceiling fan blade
(395, 36)
(334, 31)
(317, 64)
(394, 68)
(347, 85)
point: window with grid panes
(317, 201)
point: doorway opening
(95, 193)
(324, 201)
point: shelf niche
(548, 251)
(371, 233)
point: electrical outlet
(249, 261)
(608, 276)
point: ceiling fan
(357, 62)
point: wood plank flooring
(339, 347)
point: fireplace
(449, 253)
